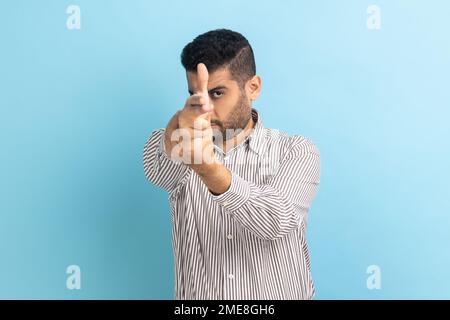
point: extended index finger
(202, 78)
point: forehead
(220, 77)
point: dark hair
(221, 48)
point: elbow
(282, 227)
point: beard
(237, 120)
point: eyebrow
(213, 89)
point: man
(239, 192)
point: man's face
(232, 107)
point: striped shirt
(248, 242)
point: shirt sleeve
(158, 167)
(273, 210)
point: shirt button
(225, 203)
(230, 276)
(230, 236)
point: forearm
(262, 209)
(158, 168)
(274, 209)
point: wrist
(206, 169)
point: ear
(253, 87)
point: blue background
(76, 107)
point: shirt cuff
(162, 147)
(236, 196)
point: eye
(217, 94)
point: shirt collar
(256, 139)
